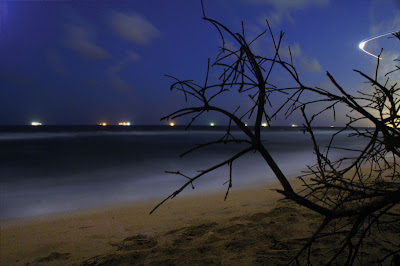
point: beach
(192, 229)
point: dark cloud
(56, 62)
(133, 56)
(91, 82)
(3, 15)
(118, 83)
(79, 39)
(114, 73)
(15, 78)
(115, 80)
(282, 9)
(311, 65)
(133, 27)
(290, 4)
(305, 62)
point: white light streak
(362, 44)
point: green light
(212, 124)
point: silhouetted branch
(358, 191)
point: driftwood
(359, 195)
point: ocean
(50, 169)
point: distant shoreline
(116, 128)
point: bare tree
(356, 195)
(362, 192)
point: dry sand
(251, 227)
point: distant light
(124, 123)
(35, 124)
(332, 126)
(212, 124)
(172, 124)
(103, 124)
(264, 124)
(245, 125)
(294, 125)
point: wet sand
(252, 227)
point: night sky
(83, 62)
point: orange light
(103, 124)
(172, 124)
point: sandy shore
(204, 227)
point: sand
(252, 227)
(128, 234)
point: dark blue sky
(82, 62)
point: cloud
(276, 18)
(311, 65)
(3, 15)
(291, 4)
(114, 72)
(281, 9)
(133, 56)
(383, 26)
(133, 27)
(387, 65)
(117, 83)
(115, 80)
(113, 77)
(390, 49)
(55, 60)
(303, 61)
(91, 82)
(79, 39)
(15, 78)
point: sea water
(53, 169)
